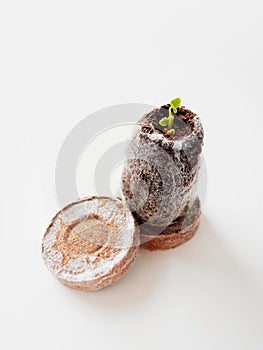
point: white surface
(62, 60)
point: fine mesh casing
(160, 173)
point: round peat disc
(91, 243)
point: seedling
(167, 122)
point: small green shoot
(175, 103)
(167, 122)
(171, 132)
(164, 121)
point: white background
(60, 61)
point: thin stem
(171, 119)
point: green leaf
(175, 103)
(164, 121)
(171, 132)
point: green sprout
(167, 122)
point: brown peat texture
(177, 233)
(160, 173)
(91, 243)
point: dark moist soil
(188, 215)
(187, 218)
(184, 125)
(184, 117)
(139, 171)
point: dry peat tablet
(91, 243)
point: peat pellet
(160, 174)
(91, 243)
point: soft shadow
(222, 272)
(131, 289)
(205, 256)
